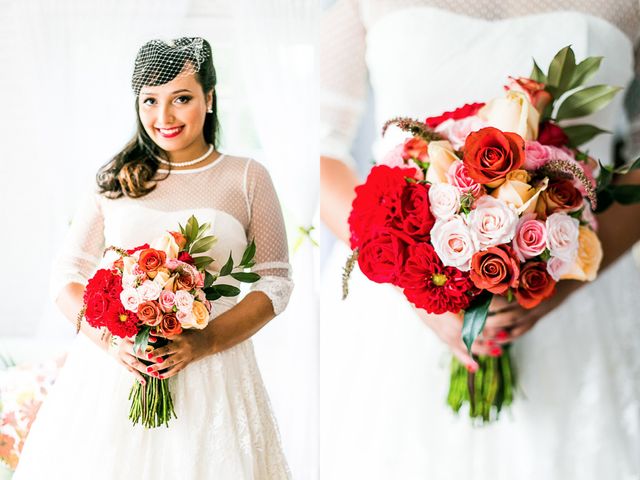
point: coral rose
(495, 269)
(170, 325)
(414, 147)
(180, 239)
(490, 154)
(149, 313)
(151, 260)
(535, 284)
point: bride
(169, 171)
(384, 365)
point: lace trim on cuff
(278, 289)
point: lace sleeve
(342, 78)
(82, 248)
(266, 227)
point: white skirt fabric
(224, 431)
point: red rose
(417, 219)
(458, 114)
(98, 304)
(151, 259)
(428, 284)
(495, 269)
(149, 313)
(377, 201)
(535, 284)
(415, 147)
(382, 256)
(121, 322)
(552, 134)
(185, 257)
(170, 325)
(489, 154)
(141, 247)
(560, 196)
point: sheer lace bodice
(343, 48)
(234, 194)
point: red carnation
(552, 134)
(428, 284)
(377, 201)
(381, 257)
(458, 114)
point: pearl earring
(210, 110)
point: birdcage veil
(160, 61)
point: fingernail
(502, 335)
(153, 339)
(159, 360)
(150, 356)
(495, 352)
(149, 369)
(160, 377)
(472, 367)
(491, 343)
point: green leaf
(537, 74)
(208, 279)
(579, 134)
(202, 245)
(228, 267)
(248, 255)
(181, 229)
(226, 290)
(624, 169)
(626, 194)
(586, 101)
(211, 293)
(605, 199)
(584, 71)
(203, 228)
(247, 277)
(192, 228)
(202, 262)
(561, 70)
(604, 177)
(142, 340)
(475, 317)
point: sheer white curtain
(276, 49)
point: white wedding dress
(384, 374)
(224, 428)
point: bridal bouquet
(490, 199)
(160, 289)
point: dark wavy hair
(131, 172)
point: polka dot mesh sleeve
(82, 248)
(266, 228)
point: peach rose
(512, 113)
(441, 156)
(587, 262)
(179, 238)
(516, 189)
(200, 314)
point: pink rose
(562, 236)
(444, 200)
(536, 155)
(172, 263)
(149, 291)
(556, 267)
(459, 177)
(394, 158)
(167, 300)
(457, 131)
(531, 237)
(492, 222)
(185, 318)
(184, 300)
(452, 243)
(130, 299)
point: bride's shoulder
(248, 166)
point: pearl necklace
(190, 162)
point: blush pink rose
(167, 300)
(457, 131)
(452, 243)
(531, 237)
(562, 236)
(394, 158)
(184, 300)
(444, 200)
(130, 299)
(536, 155)
(458, 176)
(492, 222)
(556, 267)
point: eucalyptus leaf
(249, 253)
(142, 340)
(475, 317)
(202, 262)
(561, 70)
(626, 194)
(208, 279)
(203, 244)
(586, 101)
(228, 267)
(584, 71)
(226, 290)
(537, 74)
(579, 134)
(246, 277)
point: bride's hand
(124, 355)
(189, 346)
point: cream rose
(588, 259)
(167, 244)
(162, 277)
(512, 113)
(444, 200)
(130, 299)
(128, 265)
(562, 236)
(453, 243)
(441, 156)
(516, 189)
(183, 300)
(149, 291)
(492, 222)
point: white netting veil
(160, 61)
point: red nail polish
(471, 367)
(502, 335)
(159, 360)
(149, 369)
(495, 352)
(160, 377)
(152, 339)
(150, 356)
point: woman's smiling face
(173, 115)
